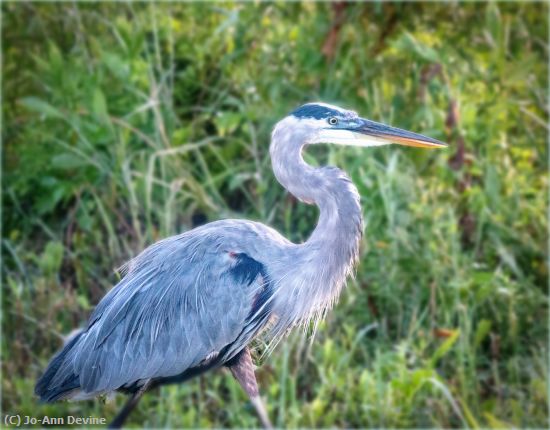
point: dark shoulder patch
(246, 269)
(315, 111)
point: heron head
(323, 123)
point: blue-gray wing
(184, 301)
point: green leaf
(496, 423)
(52, 257)
(116, 65)
(227, 122)
(47, 202)
(444, 347)
(40, 106)
(482, 330)
(408, 43)
(83, 302)
(68, 161)
(99, 105)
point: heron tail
(59, 380)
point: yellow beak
(396, 135)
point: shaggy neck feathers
(319, 266)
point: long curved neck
(340, 219)
(323, 262)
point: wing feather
(178, 303)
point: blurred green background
(125, 123)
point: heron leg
(132, 402)
(242, 369)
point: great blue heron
(194, 302)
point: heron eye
(333, 121)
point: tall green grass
(126, 123)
